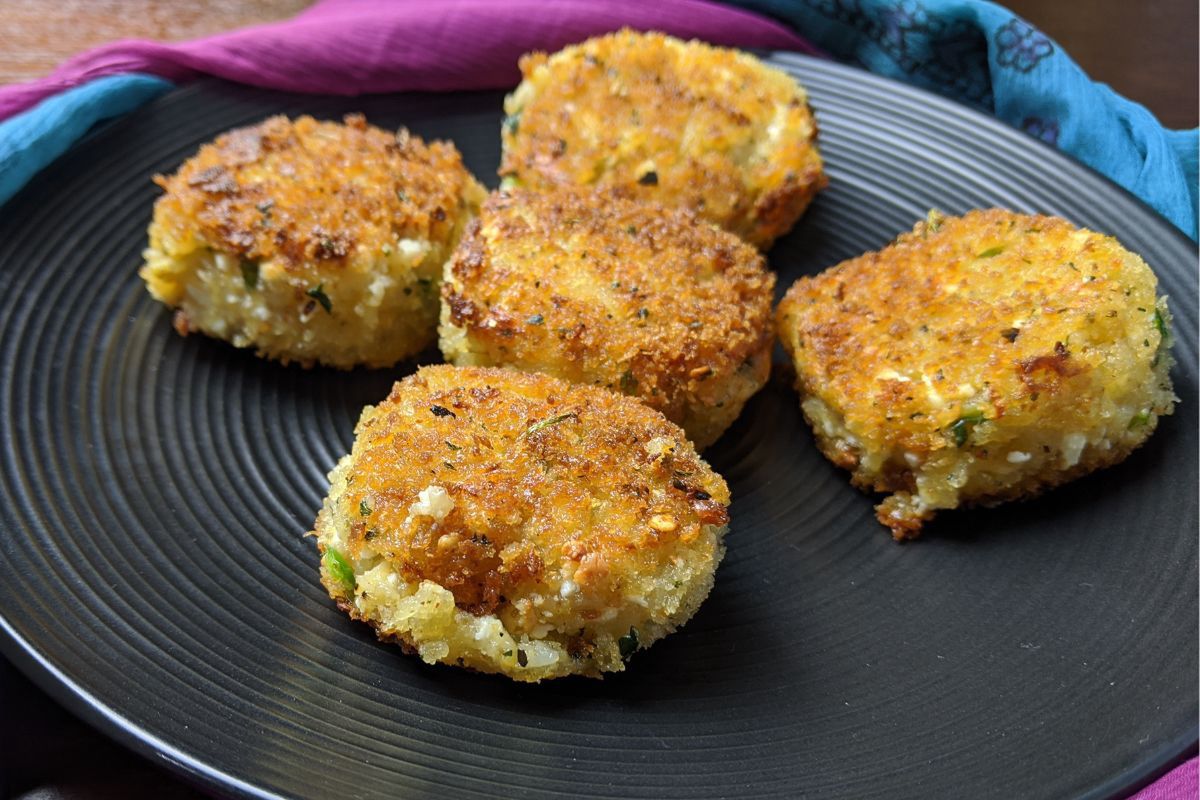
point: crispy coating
(979, 359)
(310, 241)
(512, 522)
(599, 290)
(680, 123)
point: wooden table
(1145, 50)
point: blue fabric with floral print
(980, 54)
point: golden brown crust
(540, 474)
(310, 241)
(678, 123)
(600, 290)
(303, 191)
(972, 347)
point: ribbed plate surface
(156, 489)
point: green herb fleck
(363, 508)
(402, 195)
(536, 319)
(1139, 419)
(442, 411)
(546, 423)
(961, 428)
(631, 230)
(649, 179)
(510, 182)
(643, 313)
(338, 568)
(522, 659)
(508, 653)
(452, 446)
(1160, 323)
(265, 208)
(628, 644)
(629, 384)
(512, 123)
(250, 274)
(319, 295)
(1011, 334)
(387, 249)
(328, 247)
(448, 465)
(991, 252)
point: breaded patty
(600, 290)
(979, 359)
(310, 241)
(511, 522)
(680, 123)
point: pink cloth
(358, 46)
(1181, 783)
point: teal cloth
(981, 54)
(31, 140)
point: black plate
(155, 490)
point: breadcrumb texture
(681, 123)
(979, 359)
(310, 241)
(600, 290)
(513, 523)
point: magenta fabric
(359, 46)
(1181, 783)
